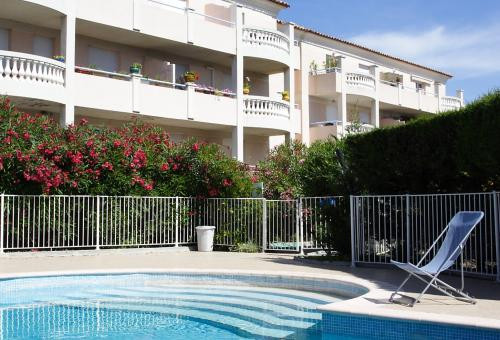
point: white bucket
(205, 238)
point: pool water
(156, 307)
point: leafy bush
(280, 171)
(38, 156)
(451, 152)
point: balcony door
(4, 39)
(103, 59)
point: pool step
(224, 320)
(269, 305)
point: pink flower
(165, 167)
(227, 182)
(107, 166)
(196, 147)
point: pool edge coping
(358, 306)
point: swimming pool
(161, 306)
(183, 305)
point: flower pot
(205, 236)
(190, 78)
(286, 97)
(135, 70)
(246, 90)
(61, 59)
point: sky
(459, 37)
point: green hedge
(457, 151)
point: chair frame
(432, 280)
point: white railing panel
(25, 67)
(264, 106)
(450, 103)
(258, 37)
(360, 80)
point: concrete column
(342, 110)
(68, 35)
(190, 88)
(136, 98)
(304, 80)
(460, 95)
(237, 81)
(290, 78)
(190, 25)
(375, 109)
(375, 113)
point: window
(4, 39)
(103, 59)
(43, 46)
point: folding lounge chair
(457, 232)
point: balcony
(134, 94)
(266, 113)
(360, 84)
(266, 44)
(31, 76)
(450, 103)
(178, 21)
(408, 97)
(325, 82)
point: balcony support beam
(304, 67)
(237, 80)
(290, 78)
(375, 113)
(68, 36)
(342, 109)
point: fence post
(264, 225)
(98, 225)
(297, 226)
(407, 228)
(497, 232)
(177, 221)
(2, 201)
(301, 231)
(353, 234)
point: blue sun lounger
(457, 232)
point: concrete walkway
(487, 310)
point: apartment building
(302, 84)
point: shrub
(280, 171)
(38, 156)
(451, 152)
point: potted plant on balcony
(313, 68)
(135, 68)
(59, 58)
(191, 77)
(246, 86)
(285, 95)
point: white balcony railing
(264, 106)
(325, 71)
(262, 37)
(360, 80)
(31, 68)
(450, 103)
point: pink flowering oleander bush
(37, 156)
(280, 171)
